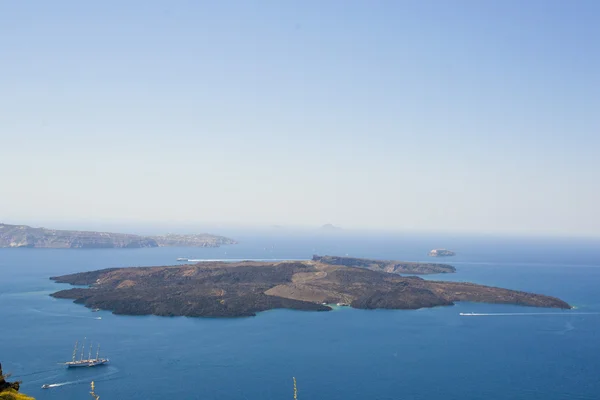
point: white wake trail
(59, 384)
(105, 376)
(244, 259)
(51, 314)
(524, 314)
(54, 385)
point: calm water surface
(345, 354)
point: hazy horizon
(233, 230)
(384, 116)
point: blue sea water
(344, 354)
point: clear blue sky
(476, 116)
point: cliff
(10, 391)
(26, 236)
(218, 289)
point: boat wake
(26, 294)
(524, 314)
(244, 259)
(53, 385)
(51, 314)
(109, 375)
(568, 328)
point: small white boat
(46, 386)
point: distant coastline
(24, 236)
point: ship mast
(98, 352)
(82, 349)
(90, 352)
(75, 350)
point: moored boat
(89, 361)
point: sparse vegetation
(10, 390)
(11, 394)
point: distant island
(441, 253)
(16, 236)
(330, 227)
(220, 289)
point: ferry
(89, 361)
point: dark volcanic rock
(83, 278)
(218, 289)
(395, 267)
(400, 298)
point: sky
(458, 116)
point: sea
(502, 352)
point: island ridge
(221, 289)
(16, 236)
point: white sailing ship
(86, 362)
